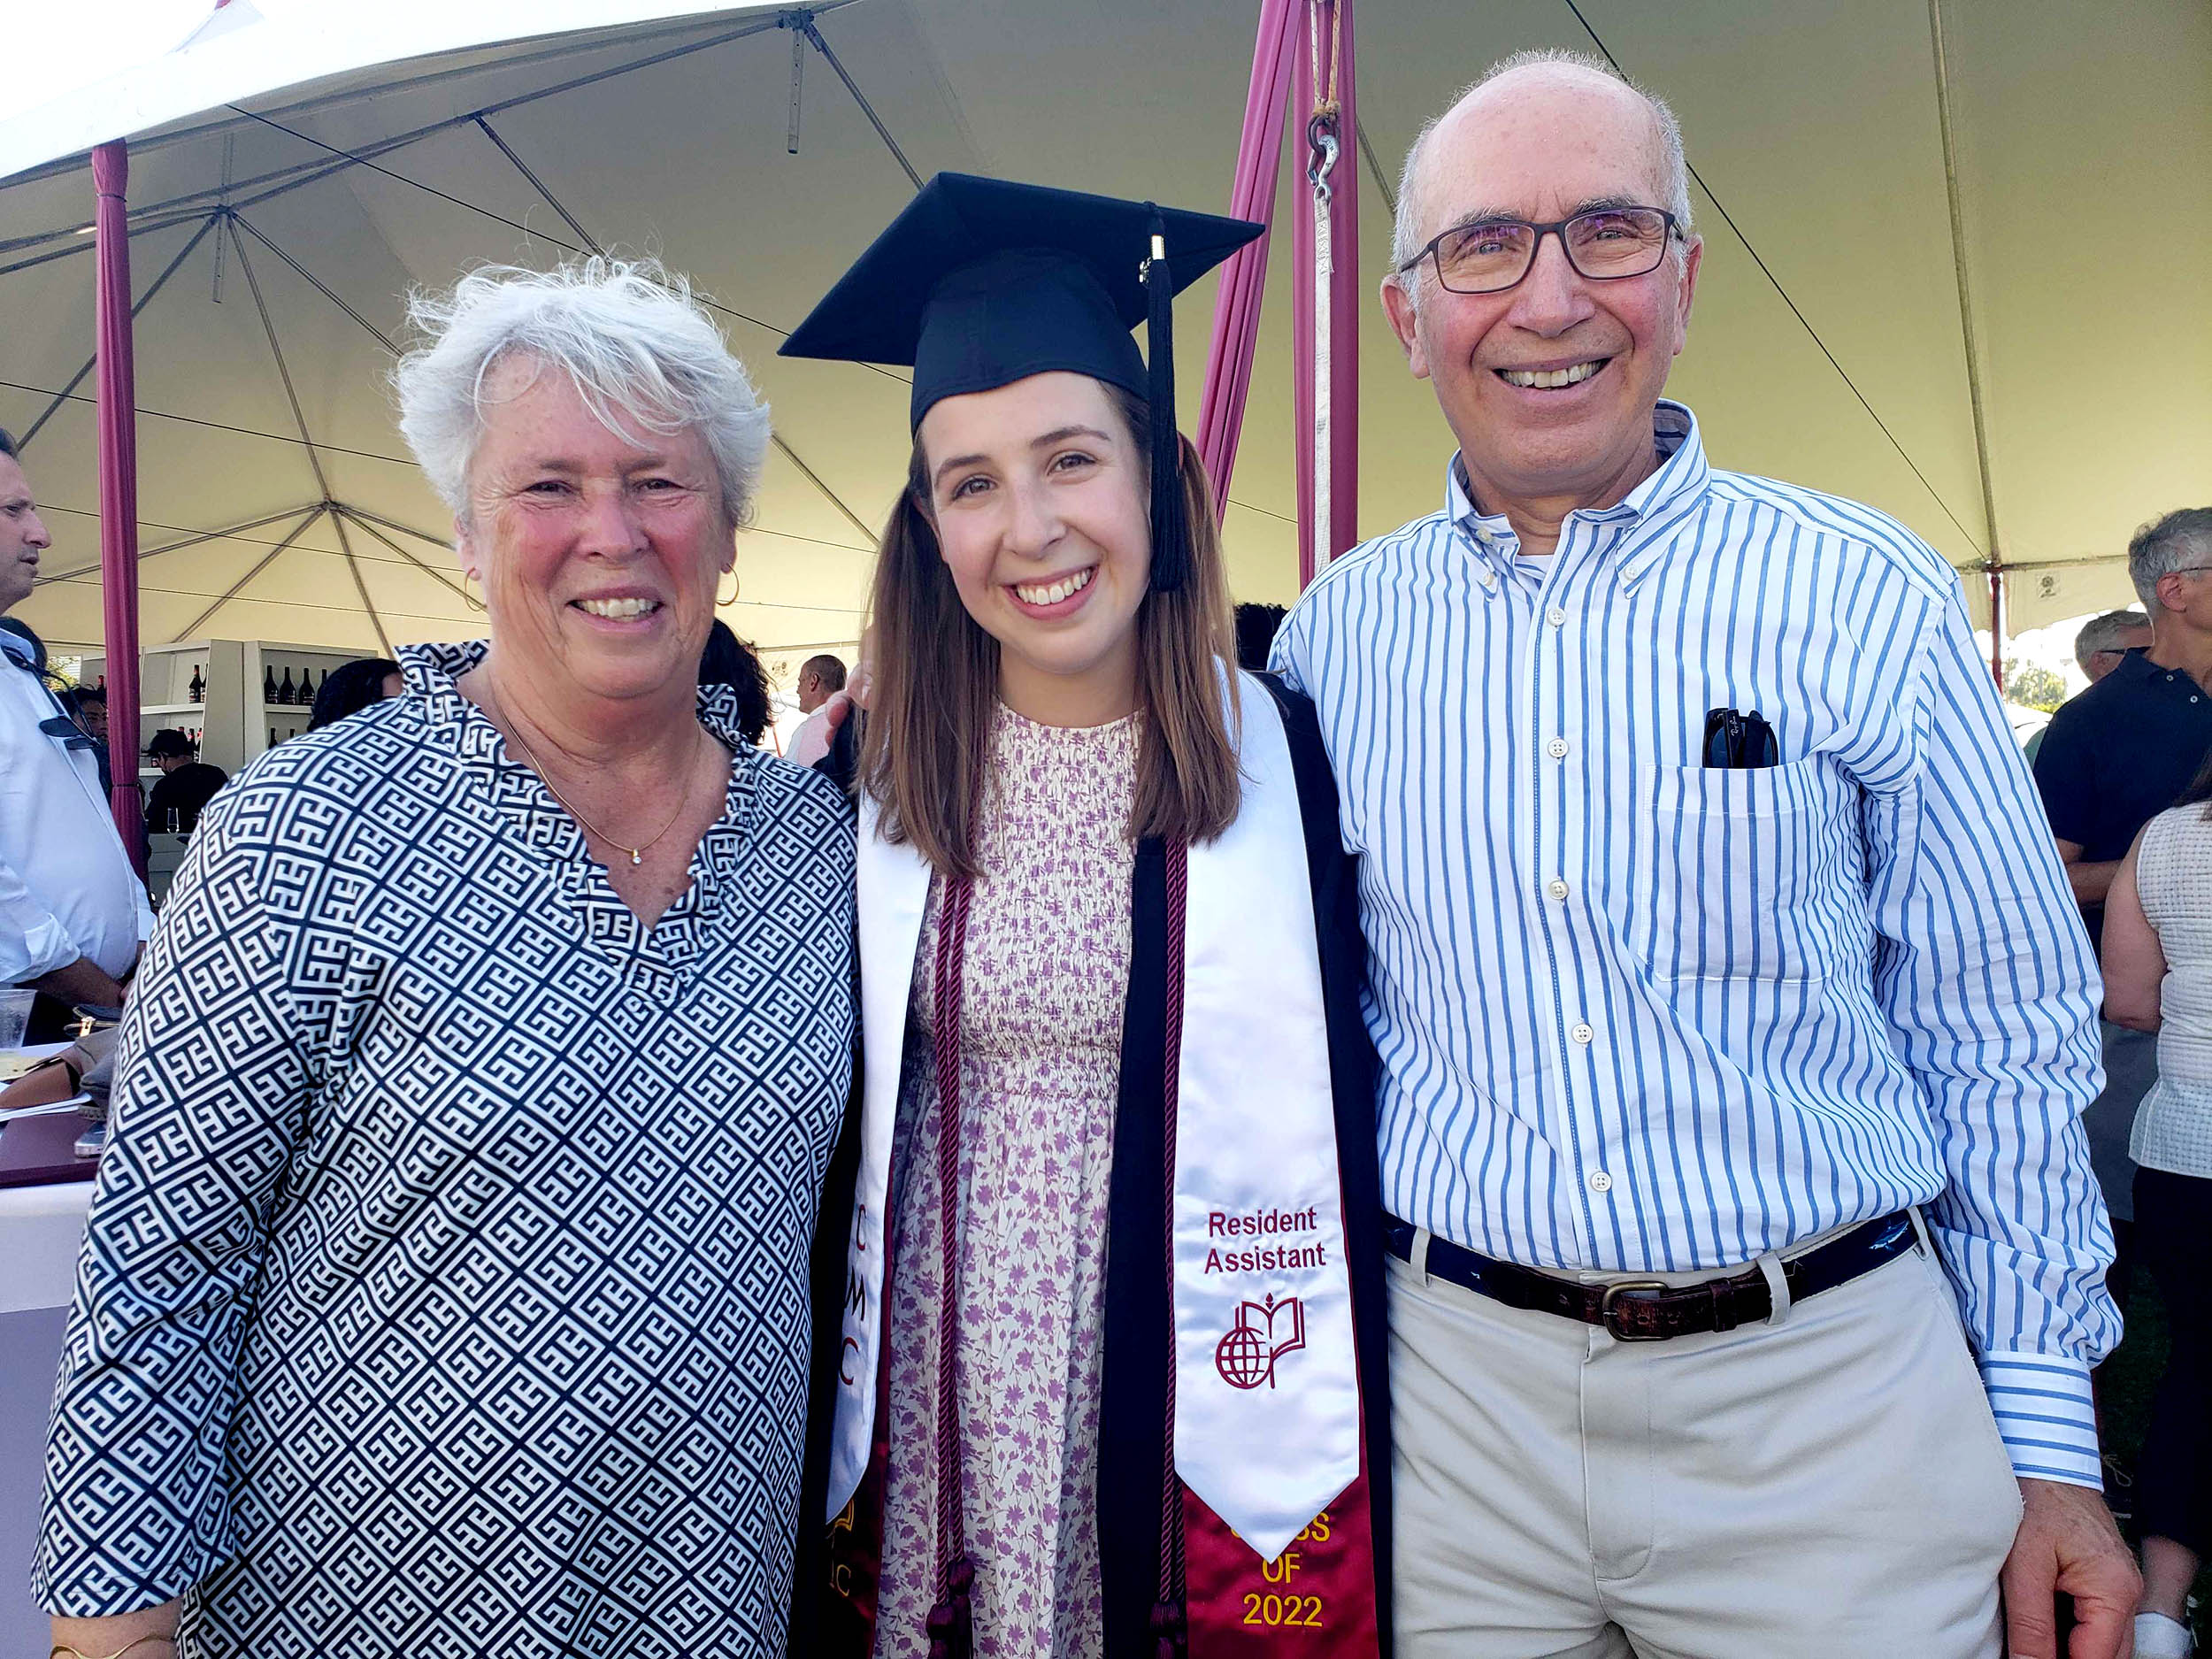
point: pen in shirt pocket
(1739, 742)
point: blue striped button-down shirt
(1636, 1014)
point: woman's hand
(150, 1633)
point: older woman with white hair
(447, 1282)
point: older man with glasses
(73, 911)
(1734, 1016)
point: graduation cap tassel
(951, 1625)
(1171, 535)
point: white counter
(40, 1228)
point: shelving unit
(234, 720)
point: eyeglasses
(1603, 245)
(71, 735)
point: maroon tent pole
(1328, 113)
(1997, 627)
(1244, 280)
(119, 489)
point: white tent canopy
(1827, 346)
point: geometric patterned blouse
(445, 1289)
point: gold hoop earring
(468, 598)
(734, 589)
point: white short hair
(641, 351)
(2104, 633)
(1406, 228)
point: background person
(729, 661)
(73, 910)
(1256, 625)
(2098, 648)
(187, 785)
(353, 686)
(1678, 1034)
(2111, 759)
(91, 705)
(820, 679)
(471, 1126)
(2158, 978)
(811, 738)
(2103, 640)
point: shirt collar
(1679, 479)
(2137, 667)
(433, 671)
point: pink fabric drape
(119, 488)
(1318, 546)
(1244, 279)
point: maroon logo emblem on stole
(1246, 1356)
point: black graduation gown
(1134, 1424)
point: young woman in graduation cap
(1109, 1377)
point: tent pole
(118, 490)
(815, 479)
(90, 362)
(360, 585)
(194, 540)
(538, 184)
(1967, 332)
(421, 564)
(1237, 302)
(1997, 626)
(239, 222)
(803, 22)
(1324, 310)
(239, 587)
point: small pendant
(636, 856)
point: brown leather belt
(1650, 1311)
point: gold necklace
(637, 853)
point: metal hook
(1321, 139)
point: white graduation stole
(1267, 1413)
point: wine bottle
(199, 686)
(268, 684)
(284, 691)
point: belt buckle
(1607, 1309)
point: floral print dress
(1046, 979)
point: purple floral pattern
(1047, 976)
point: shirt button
(1581, 1032)
(1557, 749)
(1489, 579)
(1557, 888)
(1600, 1181)
(1555, 617)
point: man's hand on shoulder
(2067, 1544)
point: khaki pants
(1829, 1485)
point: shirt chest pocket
(1752, 875)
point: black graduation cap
(979, 283)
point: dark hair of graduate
(933, 680)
